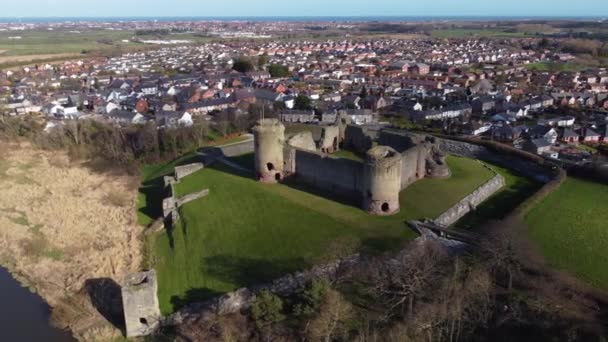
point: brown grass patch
(60, 227)
(59, 161)
(118, 198)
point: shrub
(267, 309)
(242, 65)
(311, 298)
(278, 70)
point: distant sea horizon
(41, 20)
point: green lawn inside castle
(246, 232)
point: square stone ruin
(140, 303)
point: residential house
(505, 133)
(538, 146)
(449, 112)
(569, 136)
(174, 119)
(590, 136)
(360, 116)
(297, 116)
(483, 105)
(543, 132)
(124, 117)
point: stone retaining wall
(471, 202)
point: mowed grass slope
(245, 232)
(571, 228)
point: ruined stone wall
(186, 170)
(526, 167)
(330, 139)
(357, 139)
(303, 141)
(471, 202)
(340, 176)
(397, 140)
(504, 156)
(238, 149)
(192, 197)
(413, 165)
(242, 299)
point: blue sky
(97, 8)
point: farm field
(245, 232)
(49, 46)
(469, 33)
(59, 42)
(570, 227)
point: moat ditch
(24, 316)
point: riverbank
(24, 316)
(64, 231)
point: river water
(24, 316)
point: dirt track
(61, 224)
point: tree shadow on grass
(239, 272)
(193, 296)
(247, 271)
(381, 245)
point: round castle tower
(269, 138)
(382, 181)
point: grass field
(469, 33)
(555, 67)
(571, 228)
(246, 232)
(58, 42)
(51, 46)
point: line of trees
(133, 145)
(125, 147)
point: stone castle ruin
(269, 139)
(382, 177)
(140, 303)
(393, 161)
